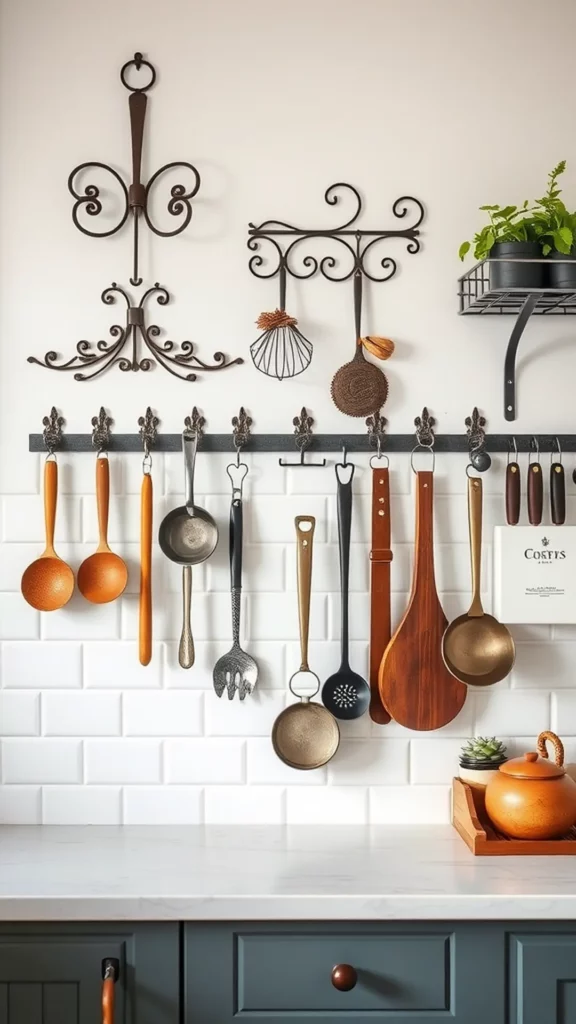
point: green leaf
(488, 207)
(505, 213)
(546, 249)
(489, 240)
(566, 235)
(559, 243)
(464, 250)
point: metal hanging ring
(237, 481)
(469, 475)
(51, 457)
(377, 458)
(138, 62)
(559, 452)
(147, 464)
(510, 452)
(426, 448)
(534, 447)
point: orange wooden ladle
(48, 583)
(103, 576)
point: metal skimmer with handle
(235, 671)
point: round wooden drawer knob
(344, 977)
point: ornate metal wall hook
(303, 436)
(241, 430)
(480, 460)
(148, 431)
(135, 196)
(424, 429)
(179, 360)
(195, 423)
(52, 433)
(101, 432)
(376, 431)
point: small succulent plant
(483, 750)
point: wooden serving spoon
(103, 576)
(48, 583)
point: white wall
(455, 103)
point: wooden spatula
(415, 685)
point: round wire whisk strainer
(281, 350)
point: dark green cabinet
(403, 972)
(543, 977)
(52, 974)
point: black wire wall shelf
(477, 297)
(302, 440)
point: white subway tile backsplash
(217, 762)
(40, 665)
(330, 805)
(545, 664)
(155, 744)
(81, 805)
(264, 767)
(122, 761)
(80, 713)
(163, 713)
(115, 666)
(369, 762)
(41, 760)
(19, 713)
(20, 805)
(244, 805)
(24, 520)
(254, 716)
(405, 805)
(18, 621)
(80, 618)
(162, 805)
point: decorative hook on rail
(195, 423)
(241, 431)
(376, 431)
(52, 432)
(148, 429)
(101, 432)
(136, 195)
(425, 429)
(479, 457)
(303, 439)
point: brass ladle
(48, 583)
(103, 576)
(477, 649)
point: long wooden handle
(103, 499)
(145, 624)
(50, 496)
(108, 992)
(535, 493)
(380, 613)
(557, 494)
(305, 535)
(512, 493)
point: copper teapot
(532, 797)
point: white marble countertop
(97, 873)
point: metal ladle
(477, 649)
(188, 535)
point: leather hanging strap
(380, 612)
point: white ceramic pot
(478, 777)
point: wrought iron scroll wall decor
(136, 194)
(473, 441)
(93, 358)
(277, 352)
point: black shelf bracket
(510, 360)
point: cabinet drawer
(400, 972)
(543, 977)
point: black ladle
(345, 693)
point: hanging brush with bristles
(281, 350)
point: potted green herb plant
(480, 760)
(556, 229)
(510, 231)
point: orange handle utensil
(145, 625)
(110, 970)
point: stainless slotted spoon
(236, 670)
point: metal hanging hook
(425, 437)
(558, 452)
(147, 432)
(376, 431)
(52, 433)
(510, 449)
(534, 447)
(101, 432)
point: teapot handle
(558, 746)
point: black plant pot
(563, 275)
(510, 274)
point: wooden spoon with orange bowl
(103, 576)
(48, 583)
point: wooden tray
(470, 820)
